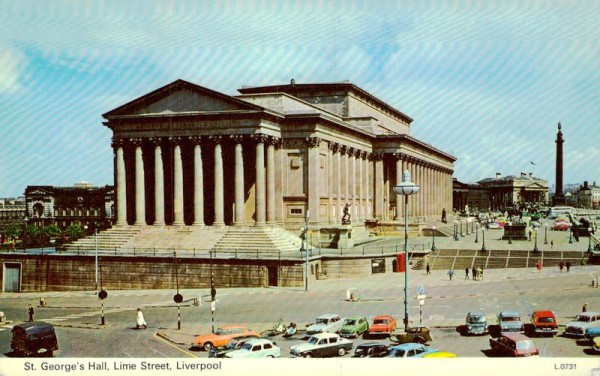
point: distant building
(588, 196)
(83, 204)
(12, 212)
(471, 196)
(513, 191)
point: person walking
(474, 273)
(561, 265)
(140, 321)
(568, 266)
(31, 312)
(450, 273)
(480, 273)
(428, 269)
(551, 244)
(584, 308)
(467, 273)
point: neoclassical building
(189, 156)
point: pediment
(182, 97)
(536, 186)
(38, 192)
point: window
(267, 346)
(333, 340)
(296, 211)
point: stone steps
(258, 239)
(110, 239)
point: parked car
(331, 323)
(383, 324)
(221, 337)
(234, 344)
(476, 323)
(417, 334)
(322, 345)
(513, 345)
(577, 327)
(544, 323)
(354, 327)
(410, 350)
(510, 321)
(592, 332)
(370, 350)
(440, 354)
(596, 345)
(34, 338)
(561, 226)
(256, 348)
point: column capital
(364, 154)
(274, 140)
(177, 140)
(156, 141)
(313, 142)
(357, 153)
(342, 149)
(215, 139)
(333, 146)
(117, 142)
(236, 138)
(399, 156)
(137, 141)
(259, 137)
(350, 151)
(196, 140)
(376, 156)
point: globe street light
(545, 233)
(406, 188)
(476, 234)
(590, 240)
(433, 236)
(535, 248)
(483, 240)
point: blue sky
(485, 81)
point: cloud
(12, 67)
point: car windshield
(313, 340)
(546, 319)
(322, 321)
(397, 353)
(510, 318)
(220, 331)
(380, 321)
(476, 319)
(349, 322)
(524, 345)
(247, 346)
(582, 318)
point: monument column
(118, 143)
(140, 192)
(198, 182)
(559, 198)
(219, 203)
(159, 183)
(271, 143)
(240, 212)
(177, 182)
(260, 179)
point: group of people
(477, 273)
(562, 265)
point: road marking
(172, 345)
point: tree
(74, 232)
(52, 231)
(13, 231)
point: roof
(253, 341)
(328, 316)
(34, 326)
(383, 317)
(408, 346)
(324, 335)
(509, 313)
(544, 313)
(515, 336)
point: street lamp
(456, 230)
(461, 232)
(535, 248)
(590, 239)
(406, 188)
(483, 240)
(433, 236)
(476, 234)
(510, 233)
(545, 233)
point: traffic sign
(102, 294)
(178, 298)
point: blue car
(592, 332)
(510, 321)
(409, 350)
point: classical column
(412, 200)
(121, 183)
(368, 182)
(338, 190)
(347, 153)
(159, 183)
(177, 182)
(219, 203)
(271, 143)
(313, 178)
(240, 206)
(198, 182)
(260, 179)
(140, 192)
(399, 170)
(379, 185)
(331, 147)
(354, 210)
(361, 191)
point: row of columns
(265, 180)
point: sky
(486, 81)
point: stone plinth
(517, 231)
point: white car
(256, 348)
(330, 323)
(322, 345)
(577, 327)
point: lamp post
(590, 240)
(95, 253)
(545, 233)
(570, 234)
(476, 234)
(467, 225)
(455, 230)
(510, 233)
(406, 188)
(461, 232)
(483, 240)
(535, 247)
(433, 237)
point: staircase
(265, 239)
(108, 240)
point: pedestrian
(140, 321)
(584, 308)
(428, 269)
(467, 273)
(474, 273)
(480, 273)
(529, 235)
(31, 312)
(561, 265)
(450, 273)
(551, 244)
(568, 266)
(582, 262)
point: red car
(561, 226)
(383, 324)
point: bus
(561, 211)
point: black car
(370, 350)
(33, 338)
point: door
(12, 277)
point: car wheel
(341, 351)
(208, 346)
(420, 340)
(270, 356)
(307, 355)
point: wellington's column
(219, 200)
(260, 179)
(121, 188)
(198, 182)
(240, 207)
(159, 184)
(140, 192)
(177, 183)
(272, 142)
(559, 198)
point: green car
(354, 327)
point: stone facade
(186, 155)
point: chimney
(585, 184)
(523, 174)
(498, 176)
(530, 174)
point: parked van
(33, 338)
(513, 345)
